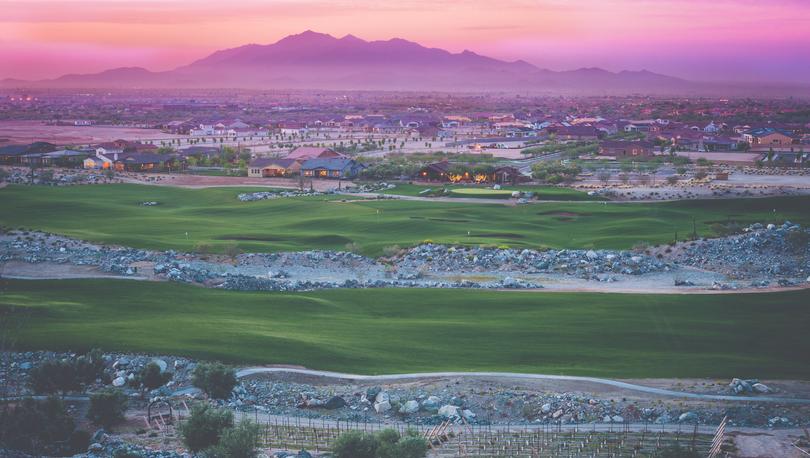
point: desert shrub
(729, 228)
(384, 444)
(352, 247)
(410, 446)
(204, 427)
(53, 376)
(236, 442)
(39, 428)
(61, 376)
(355, 444)
(151, 377)
(107, 407)
(676, 451)
(203, 248)
(797, 239)
(232, 250)
(391, 251)
(121, 453)
(672, 179)
(89, 367)
(215, 379)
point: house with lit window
(331, 168)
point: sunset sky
(748, 40)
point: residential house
(331, 167)
(626, 149)
(13, 154)
(437, 171)
(577, 133)
(143, 162)
(273, 167)
(764, 138)
(303, 153)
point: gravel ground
(430, 400)
(759, 257)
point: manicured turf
(185, 218)
(401, 330)
(482, 192)
(113, 214)
(542, 192)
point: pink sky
(697, 39)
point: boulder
(161, 364)
(119, 381)
(431, 404)
(409, 407)
(545, 408)
(381, 407)
(617, 419)
(95, 448)
(335, 402)
(761, 388)
(557, 414)
(688, 417)
(382, 396)
(448, 411)
(468, 414)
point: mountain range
(312, 60)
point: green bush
(215, 379)
(798, 240)
(407, 447)
(384, 444)
(107, 407)
(61, 376)
(676, 451)
(89, 367)
(204, 427)
(39, 428)
(53, 376)
(355, 444)
(237, 442)
(151, 377)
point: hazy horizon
(696, 40)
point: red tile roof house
(303, 153)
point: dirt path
(53, 271)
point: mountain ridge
(313, 60)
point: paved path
(248, 371)
(513, 375)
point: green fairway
(185, 218)
(542, 192)
(402, 330)
(482, 192)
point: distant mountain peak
(314, 60)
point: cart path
(571, 378)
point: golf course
(184, 219)
(375, 331)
